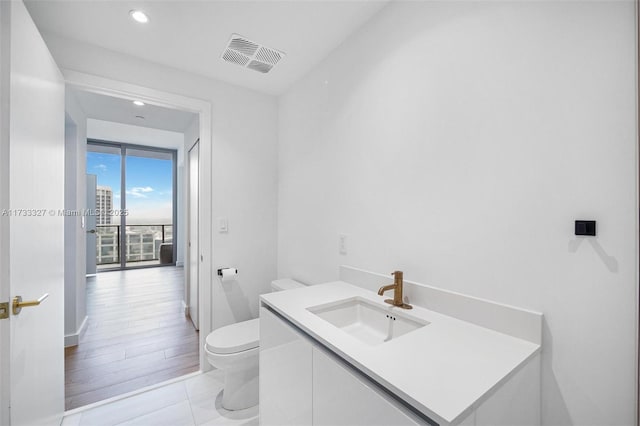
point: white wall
(75, 298)
(458, 141)
(191, 135)
(137, 135)
(244, 186)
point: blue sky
(149, 182)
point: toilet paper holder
(220, 271)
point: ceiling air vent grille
(235, 57)
(252, 55)
(259, 66)
(243, 46)
(269, 56)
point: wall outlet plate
(342, 244)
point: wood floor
(137, 335)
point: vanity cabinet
(304, 382)
(342, 396)
(285, 373)
(301, 383)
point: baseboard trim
(73, 339)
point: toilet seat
(234, 338)
(285, 284)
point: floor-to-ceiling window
(135, 205)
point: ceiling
(120, 110)
(191, 35)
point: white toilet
(234, 349)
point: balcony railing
(151, 244)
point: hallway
(137, 335)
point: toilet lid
(233, 338)
(285, 284)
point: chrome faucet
(397, 291)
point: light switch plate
(223, 225)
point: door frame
(104, 86)
(189, 147)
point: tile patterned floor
(191, 402)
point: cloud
(145, 212)
(139, 191)
(166, 192)
(101, 167)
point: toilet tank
(285, 284)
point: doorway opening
(141, 323)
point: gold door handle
(18, 304)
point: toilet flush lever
(18, 304)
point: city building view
(104, 204)
(142, 243)
(148, 225)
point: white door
(192, 281)
(92, 189)
(32, 245)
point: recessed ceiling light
(139, 103)
(139, 16)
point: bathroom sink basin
(367, 321)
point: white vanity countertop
(441, 369)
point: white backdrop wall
(137, 135)
(458, 141)
(244, 175)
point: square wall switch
(586, 227)
(223, 225)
